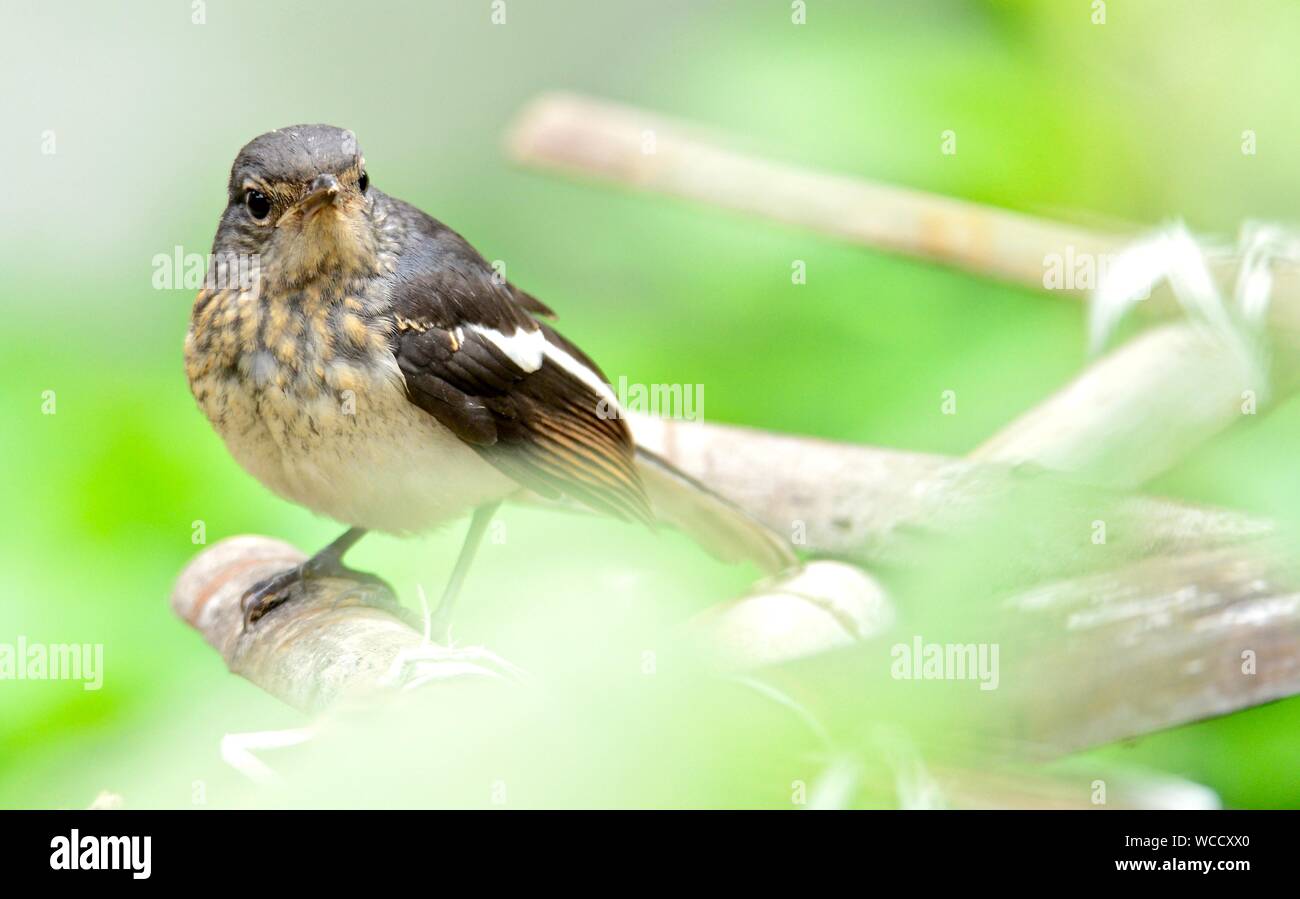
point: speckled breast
(308, 397)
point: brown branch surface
(1157, 644)
(338, 638)
(1204, 634)
(871, 505)
(332, 643)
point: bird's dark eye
(258, 205)
(363, 182)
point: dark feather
(542, 428)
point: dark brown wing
(509, 386)
(531, 303)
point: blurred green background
(1128, 123)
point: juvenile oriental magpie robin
(373, 367)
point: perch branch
(341, 638)
(345, 638)
(1204, 633)
(331, 644)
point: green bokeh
(1128, 123)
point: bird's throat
(325, 243)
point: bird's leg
(266, 594)
(440, 624)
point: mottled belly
(350, 447)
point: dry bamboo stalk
(629, 146)
(592, 138)
(826, 605)
(346, 639)
(869, 505)
(1138, 411)
(1178, 626)
(341, 639)
(328, 646)
(1157, 644)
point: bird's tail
(718, 525)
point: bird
(361, 359)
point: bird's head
(300, 201)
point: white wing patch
(523, 348)
(528, 349)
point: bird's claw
(269, 593)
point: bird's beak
(323, 192)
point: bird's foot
(275, 591)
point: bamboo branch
(1204, 634)
(1157, 644)
(872, 505)
(826, 605)
(590, 138)
(342, 638)
(593, 138)
(1137, 412)
(339, 639)
(1201, 586)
